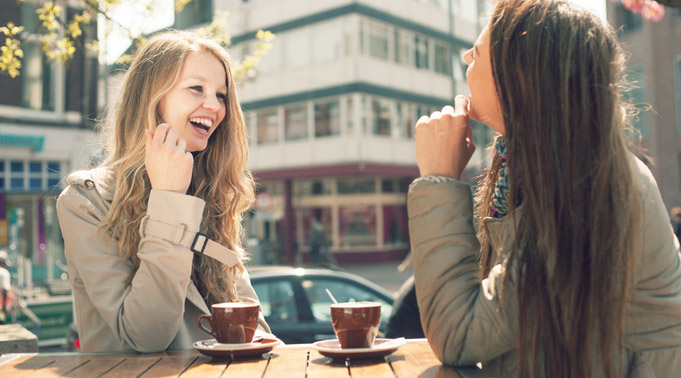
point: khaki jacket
(462, 318)
(158, 311)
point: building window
(307, 188)
(297, 48)
(2, 174)
(54, 174)
(403, 47)
(357, 186)
(357, 225)
(395, 225)
(327, 118)
(442, 58)
(405, 119)
(16, 179)
(378, 40)
(295, 122)
(36, 79)
(421, 52)
(268, 126)
(380, 116)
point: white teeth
(206, 122)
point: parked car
(297, 307)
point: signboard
(264, 201)
(34, 142)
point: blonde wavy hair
(219, 175)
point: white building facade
(331, 111)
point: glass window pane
(2, 183)
(395, 225)
(16, 166)
(305, 188)
(327, 119)
(2, 165)
(357, 225)
(53, 181)
(356, 186)
(16, 183)
(388, 186)
(380, 114)
(35, 183)
(421, 52)
(405, 120)
(53, 166)
(378, 40)
(268, 127)
(295, 122)
(442, 59)
(277, 301)
(35, 167)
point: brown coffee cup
(232, 322)
(356, 323)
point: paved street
(383, 274)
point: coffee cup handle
(204, 316)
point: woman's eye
(222, 97)
(197, 88)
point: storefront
(365, 217)
(33, 163)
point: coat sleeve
(461, 316)
(147, 313)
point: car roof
(264, 271)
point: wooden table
(414, 359)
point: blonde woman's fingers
(171, 137)
(181, 145)
(461, 105)
(160, 133)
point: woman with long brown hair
(574, 270)
(152, 236)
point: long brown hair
(219, 176)
(557, 70)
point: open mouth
(201, 123)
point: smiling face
(195, 106)
(484, 103)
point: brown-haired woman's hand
(444, 141)
(168, 164)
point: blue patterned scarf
(502, 191)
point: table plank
(287, 362)
(416, 359)
(376, 367)
(206, 366)
(62, 365)
(95, 366)
(171, 364)
(24, 365)
(247, 367)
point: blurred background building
(46, 129)
(331, 113)
(655, 68)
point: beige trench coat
(462, 318)
(158, 311)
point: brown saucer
(332, 348)
(232, 351)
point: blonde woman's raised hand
(444, 141)
(168, 164)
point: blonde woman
(574, 270)
(153, 235)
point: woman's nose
(211, 102)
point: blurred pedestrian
(574, 270)
(319, 246)
(5, 286)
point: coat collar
(101, 179)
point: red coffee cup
(356, 323)
(232, 322)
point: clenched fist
(168, 164)
(444, 141)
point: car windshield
(343, 291)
